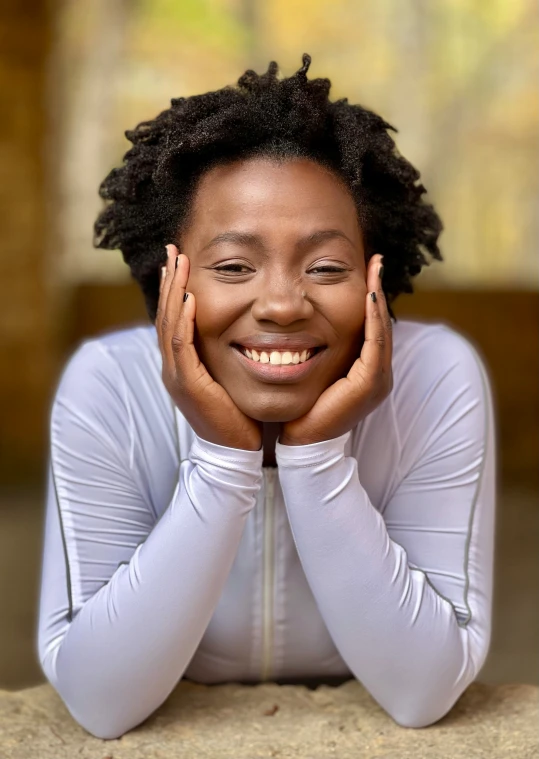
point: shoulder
(424, 350)
(119, 346)
(125, 343)
(107, 359)
(440, 380)
(93, 395)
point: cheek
(213, 312)
(348, 313)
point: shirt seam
(486, 432)
(64, 544)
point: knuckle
(366, 384)
(165, 322)
(177, 343)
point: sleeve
(407, 596)
(125, 598)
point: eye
(328, 268)
(229, 267)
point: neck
(270, 434)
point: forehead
(268, 193)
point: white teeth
(275, 357)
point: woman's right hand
(205, 404)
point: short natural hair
(150, 195)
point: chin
(274, 413)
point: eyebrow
(248, 239)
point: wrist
(287, 440)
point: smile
(279, 372)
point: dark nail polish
(185, 296)
(381, 272)
(176, 262)
(373, 297)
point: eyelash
(332, 269)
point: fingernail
(163, 272)
(176, 262)
(373, 297)
(185, 296)
(381, 272)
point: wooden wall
(27, 354)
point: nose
(282, 301)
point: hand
(370, 380)
(206, 405)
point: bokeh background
(457, 78)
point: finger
(174, 289)
(164, 288)
(189, 368)
(191, 373)
(381, 301)
(374, 353)
(158, 315)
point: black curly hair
(151, 193)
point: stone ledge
(284, 721)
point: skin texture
(281, 203)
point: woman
(271, 481)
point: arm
(407, 597)
(125, 599)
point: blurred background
(457, 78)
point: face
(290, 220)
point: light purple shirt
(166, 556)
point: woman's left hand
(370, 380)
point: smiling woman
(272, 481)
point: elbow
(94, 724)
(95, 714)
(106, 729)
(432, 697)
(415, 719)
(417, 713)
(103, 732)
(91, 720)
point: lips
(313, 351)
(273, 342)
(279, 373)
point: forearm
(131, 642)
(398, 636)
